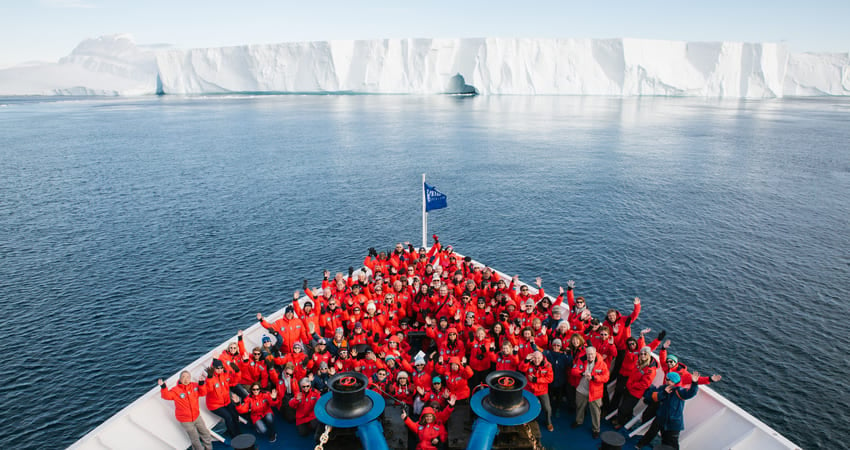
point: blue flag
(434, 199)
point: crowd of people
(471, 322)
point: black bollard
(612, 440)
(505, 398)
(244, 442)
(349, 398)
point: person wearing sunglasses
(253, 368)
(259, 404)
(304, 402)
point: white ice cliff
(115, 65)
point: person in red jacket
(538, 372)
(629, 365)
(621, 330)
(639, 381)
(593, 373)
(219, 398)
(286, 384)
(252, 368)
(291, 328)
(309, 313)
(507, 359)
(402, 391)
(187, 410)
(429, 432)
(481, 357)
(344, 362)
(452, 345)
(437, 392)
(304, 402)
(231, 356)
(259, 404)
(422, 373)
(499, 336)
(456, 374)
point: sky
(46, 30)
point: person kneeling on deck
(186, 409)
(594, 374)
(259, 404)
(304, 402)
(669, 419)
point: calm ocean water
(135, 234)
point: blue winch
(350, 405)
(504, 403)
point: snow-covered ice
(115, 65)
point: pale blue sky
(49, 29)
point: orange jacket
(291, 331)
(681, 369)
(331, 320)
(185, 399)
(217, 389)
(313, 317)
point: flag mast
(424, 216)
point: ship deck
(563, 437)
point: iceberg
(116, 65)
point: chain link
(534, 442)
(323, 439)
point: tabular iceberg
(115, 65)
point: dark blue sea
(136, 234)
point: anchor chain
(534, 442)
(323, 439)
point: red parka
(641, 378)
(304, 406)
(217, 389)
(427, 432)
(538, 377)
(185, 398)
(291, 331)
(456, 380)
(599, 376)
(258, 405)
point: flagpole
(424, 216)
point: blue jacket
(560, 362)
(671, 411)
